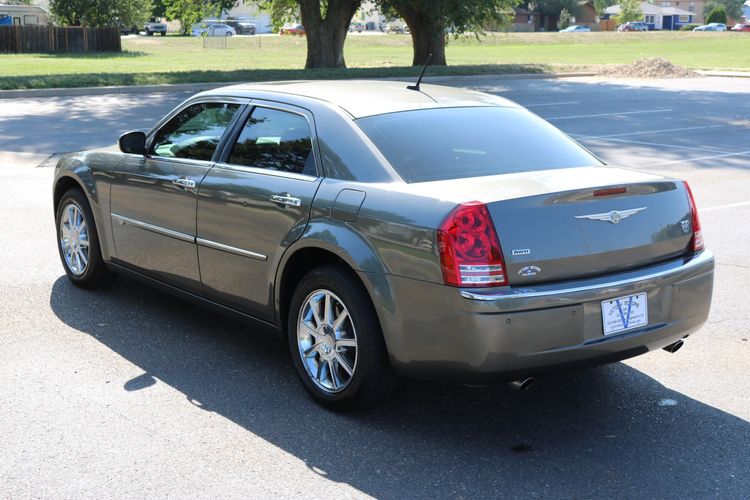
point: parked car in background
(576, 28)
(154, 26)
(711, 27)
(292, 29)
(438, 233)
(358, 27)
(220, 29)
(633, 26)
(741, 27)
(241, 26)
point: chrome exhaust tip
(522, 384)
(673, 348)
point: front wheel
(336, 343)
(78, 242)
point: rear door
(154, 197)
(256, 202)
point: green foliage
(565, 19)
(600, 5)
(733, 8)
(190, 12)
(457, 15)
(717, 15)
(97, 13)
(630, 10)
(688, 27)
(281, 11)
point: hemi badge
(521, 251)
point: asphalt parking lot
(127, 392)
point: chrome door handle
(184, 182)
(286, 199)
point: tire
(366, 376)
(163, 33)
(228, 34)
(148, 32)
(74, 211)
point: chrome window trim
(154, 229)
(704, 258)
(230, 249)
(266, 171)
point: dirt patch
(649, 67)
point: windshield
(453, 143)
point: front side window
(195, 132)
(275, 140)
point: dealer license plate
(624, 313)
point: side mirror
(133, 143)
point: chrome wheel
(74, 239)
(327, 341)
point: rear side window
(453, 143)
(275, 140)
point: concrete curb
(725, 74)
(199, 87)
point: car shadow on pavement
(605, 431)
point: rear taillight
(696, 242)
(470, 252)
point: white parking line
(657, 144)
(551, 104)
(721, 207)
(699, 158)
(660, 131)
(622, 113)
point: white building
(250, 10)
(658, 17)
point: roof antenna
(419, 80)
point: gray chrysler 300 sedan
(389, 231)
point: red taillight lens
(470, 252)
(696, 242)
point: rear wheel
(78, 242)
(336, 343)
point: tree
(430, 20)
(717, 15)
(630, 10)
(189, 12)
(326, 25)
(733, 8)
(98, 13)
(565, 19)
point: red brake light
(696, 242)
(470, 252)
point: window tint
(194, 132)
(275, 140)
(452, 143)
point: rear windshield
(453, 143)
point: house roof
(649, 9)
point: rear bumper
(435, 331)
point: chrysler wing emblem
(614, 216)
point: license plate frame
(622, 314)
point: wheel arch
(309, 253)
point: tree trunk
(326, 35)
(427, 37)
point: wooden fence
(52, 39)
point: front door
(254, 204)
(154, 197)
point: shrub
(688, 27)
(717, 15)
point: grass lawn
(172, 59)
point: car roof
(361, 98)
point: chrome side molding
(230, 249)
